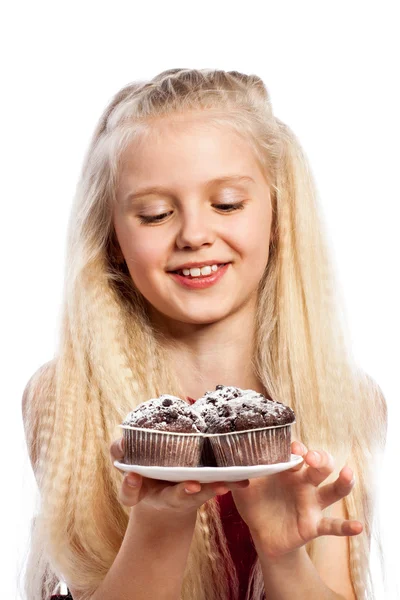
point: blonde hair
(109, 357)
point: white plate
(209, 474)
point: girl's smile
(198, 278)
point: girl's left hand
(284, 511)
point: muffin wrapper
(252, 447)
(207, 458)
(149, 447)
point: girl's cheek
(145, 254)
(248, 241)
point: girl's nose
(195, 230)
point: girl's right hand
(165, 496)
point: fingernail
(317, 457)
(192, 491)
(132, 481)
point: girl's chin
(202, 319)
(198, 317)
(205, 321)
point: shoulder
(378, 399)
(39, 387)
(374, 410)
(37, 383)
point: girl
(187, 171)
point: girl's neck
(219, 353)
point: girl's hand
(284, 511)
(164, 496)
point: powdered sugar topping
(229, 408)
(166, 413)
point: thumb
(117, 449)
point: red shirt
(239, 541)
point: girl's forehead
(196, 151)
(177, 134)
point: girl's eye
(229, 207)
(225, 207)
(154, 218)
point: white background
(332, 71)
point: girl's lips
(199, 283)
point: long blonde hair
(109, 358)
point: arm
(152, 558)
(294, 576)
(284, 512)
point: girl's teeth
(196, 272)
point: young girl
(187, 171)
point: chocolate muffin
(163, 431)
(244, 427)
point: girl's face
(193, 220)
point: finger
(237, 485)
(332, 492)
(340, 527)
(192, 487)
(209, 490)
(320, 466)
(200, 492)
(216, 488)
(219, 487)
(117, 449)
(299, 449)
(129, 494)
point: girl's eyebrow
(166, 192)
